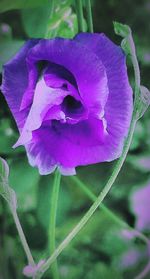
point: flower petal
(44, 99)
(15, 80)
(66, 145)
(57, 76)
(119, 105)
(82, 63)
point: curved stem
(136, 68)
(96, 204)
(79, 10)
(22, 238)
(135, 64)
(89, 15)
(52, 226)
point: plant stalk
(52, 226)
(79, 11)
(89, 15)
(22, 238)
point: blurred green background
(101, 250)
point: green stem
(52, 8)
(79, 10)
(137, 77)
(109, 213)
(135, 65)
(89, 15)
(22, 238)
(96, 204)
(52, 226)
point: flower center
(71, 107)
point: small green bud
(122, 30)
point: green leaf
(4, 170)
(125, 32)
(63, 23)
(144, 101)
(36, 24)
(6, 5)
(122, 30)
(5, 191)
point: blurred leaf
(7, 138)
(8, 48)
(90, 271)
(6, 192)
(11, 253)
(103, 271)
(6, 5)
(144, 101)
(140, 162)
(4, 170)
(63, 23)
(87, 251)
(24, 180)
(116, 248)
(35, 21)
(69, 27)
(44, 201)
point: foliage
(100, 249)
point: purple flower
(140, 205)
(71, 100)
